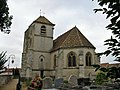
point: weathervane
(41, 13)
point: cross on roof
(41, 13)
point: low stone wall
(4, 79)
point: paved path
(10, 86)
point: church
(69, 54)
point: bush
(101, 78)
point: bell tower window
(43, 30)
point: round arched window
(43, 29)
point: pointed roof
(71, 39)
(43, 20)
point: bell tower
(43, 34)
(38, 42)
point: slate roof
(71, 39)
(43, 20)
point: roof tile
(71, 39)
(43, 20)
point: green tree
(3, 60)
(110, 72)
(101, 78)
(112, 9)
(5, 19)
(113, 73)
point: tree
(110, 72)
(113, 73)
(112, 9)
(101, 78)
(5, 19)
(3, 60)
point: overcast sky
(65, 14)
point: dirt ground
(12, 85)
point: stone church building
(69, 54)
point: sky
(65, 14)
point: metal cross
(41, 13)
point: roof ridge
(87, 40)
(79, 37)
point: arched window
(41, 58)
(41, 62)
(71, 59)
(88, 59)
(55, 63)
(43, 29)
